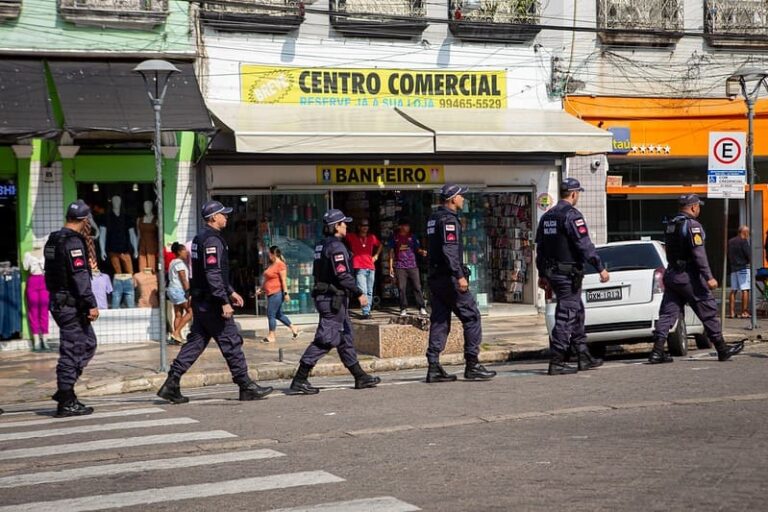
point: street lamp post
(156, 74)
(748, 81)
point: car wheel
(702, 341)
(678, 339)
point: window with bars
(643, 22)
(736, 22)
(9, 9)
(135, 14)
(267, 16)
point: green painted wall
(7, 162)
(40, 28)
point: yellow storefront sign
(401, 174)
(372, 87)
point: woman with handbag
(275, 287)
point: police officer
(334, 284)
(449, 289)
(72, 305)
(688, 280)
(213, 299)
(563, 246)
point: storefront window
(291, 221)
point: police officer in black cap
(448, 281)
(563, 246)
(334, 285)
(688, 280)
(213, 299)
(72, 305)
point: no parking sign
(727, 173)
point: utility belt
(572, 270)
(64, 299)
(678, 265)
(202, 295)
(329, 289)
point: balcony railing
(139, 14)
(10, 9)
(736, 23)
(644, 22)
(379, 18)
(269, 16)
(494, 20)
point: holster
(327, 289)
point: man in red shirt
(366, 249)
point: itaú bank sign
(373, 87)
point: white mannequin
(149, 216)
(116, 205)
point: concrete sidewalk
(26, 376)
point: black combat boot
(558, 366)
(69, 405)
(171, 391)
(658, 356)
(587, 361)
(251, 391)
(475, 371)
(725, 351)
(362, 379)
(436, 373)
(300, 384)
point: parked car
(625, 309)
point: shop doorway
(497, 229)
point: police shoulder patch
(210, 250)
(695, 229)
(338, 257)
(579, 222)
(75, 253)
(698, 240)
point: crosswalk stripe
(96, 415)
(381, 504)
(176, 493)
(66, 475)
(87, 429)
(112, 444)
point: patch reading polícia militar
(581, 227)
(340, 263)
(449, 233)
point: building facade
(75, 122)
(370, 106)
(653, 72)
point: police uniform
(563, 246)
(334, 284)
(445, 251)
(210, 291)
(685, 282)
(68, 280)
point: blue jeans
(365, 283)
(122, 291)
(275, 311)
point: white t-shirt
(176, 266)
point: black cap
(335, 216)
(211, 208)
(689, 199)
(571, 185)
(78, 210)
(450, 190)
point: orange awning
(671, 127)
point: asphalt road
(628, 436)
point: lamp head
(744, 80)
(156, 73)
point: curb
(285, 371)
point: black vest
(56, 261)
(556, 246)
(199, 282)
(322, 266)
(676, 234)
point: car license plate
(603, 294)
